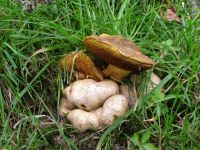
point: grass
(31, 82)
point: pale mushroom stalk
(115, 106)
(91, 105)
(154, 81)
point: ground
(34, 39)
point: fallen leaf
(170, 15)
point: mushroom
(83, 66)
(87, 94)
(122, 55)
(113, 107)
(154, 81)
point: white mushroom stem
(115, 72)
(97, 112)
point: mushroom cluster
(95, 99)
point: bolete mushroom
(83, 66)
(121, 54)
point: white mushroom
(154, 81)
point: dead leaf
(170, 15)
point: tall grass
(32, 44)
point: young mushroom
(83, 66)
(122, 55)
(154, 81)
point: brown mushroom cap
(83, 65)
(118, 51)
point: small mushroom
(122, 55)
(83, 66)
(154, 81)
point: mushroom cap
(83, 65)
(118, 51)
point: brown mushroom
(122, 55)
(83, 66)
